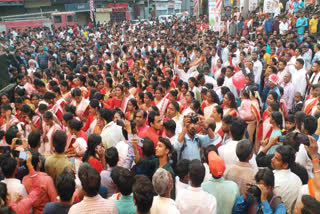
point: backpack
(184, 144)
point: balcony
(11, 2)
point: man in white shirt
(224, 51)
(162, 184)
(287, 184)
(194, 200)
(257, 68)
(283, 26)
(112, 133)
(299, 77)
(288, 90)
(15, 188)
(228, 80)
(228, 151)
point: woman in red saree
(90, 124)
(182, 95)
(49, 129)
(7, 117)
(119, 101)
(229, 105)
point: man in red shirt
(153, 132)
(140, 118)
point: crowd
(164, 118)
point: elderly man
(162, 184)
(288, 90)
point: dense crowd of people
(164, 118)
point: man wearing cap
(299, 77)
(272, 85)
(226, 192)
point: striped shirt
(94, 205)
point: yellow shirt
(86, 34)
(267, 58)
(313, 25)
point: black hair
(133, 101)
(106, 114)
(67, 116)
(196, 172)
(197, 106)
(287, 153)
(170, 125)
(219, 110)
(232, 99)
(93, 141)
(275, 106)
(59, 140)
(149, 94)
(277, 117)
(175, 105)
(214, 96)
(111, 156)
(35, 159)
(237, 128)
(301, 61)
(290, 118)
(90, 179)
(75, 124)
(65, 186)
(310, 124)
(70, 108)
(300, 118)
(174, 93)
(148, 147)
(244, 150)
(8, 167)
(11, 133)
(123, 179)
(49, 96)
(94, 103)
(266, 175)
(6, 107)
(274, 95)
(152, 115)
(34, 139)
(76, 92)
(48, 115)
(56, 89)
(182, 168)
(143, 193)
(310, 205)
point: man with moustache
(189, 144)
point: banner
(253, 4)
(291, 6)
(195, 7)
(91, 11)
(271, 6)
(214, 7)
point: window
(57, 19)
(70, 18)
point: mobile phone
(72, 159)
(140, 143)
(281, 139)
(23, 155)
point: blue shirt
(302, 22)
(296, 7)
(191, 150)
(267, 25)
(226, 192)
(241, 207)
(125, 205)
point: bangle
(315, 161)
(316, 171)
